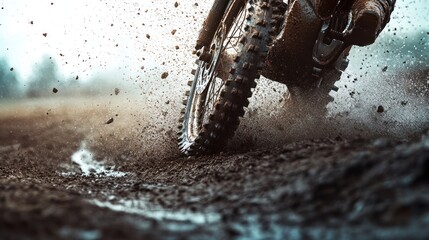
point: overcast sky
(93, 36)
(87, 37)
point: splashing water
(88, 165)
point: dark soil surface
(311, 189)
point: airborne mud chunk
(109, 121)
(164, 75)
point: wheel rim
(210, 77)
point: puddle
(84, 158)
(141, 207)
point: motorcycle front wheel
(224, 77)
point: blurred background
(70, 44)
(129, 61)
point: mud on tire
(313, 99)
(210, 117)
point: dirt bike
(296, 42)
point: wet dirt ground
(61, 179)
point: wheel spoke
(237, 27)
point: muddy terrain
(76, 173)
(90, 94)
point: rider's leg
(369, 18)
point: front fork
(211, 23)
(222, 14)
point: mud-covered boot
(369, 18)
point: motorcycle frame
(297, 48)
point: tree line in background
(8, 80)
(46, 81)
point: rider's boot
(369, 17)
